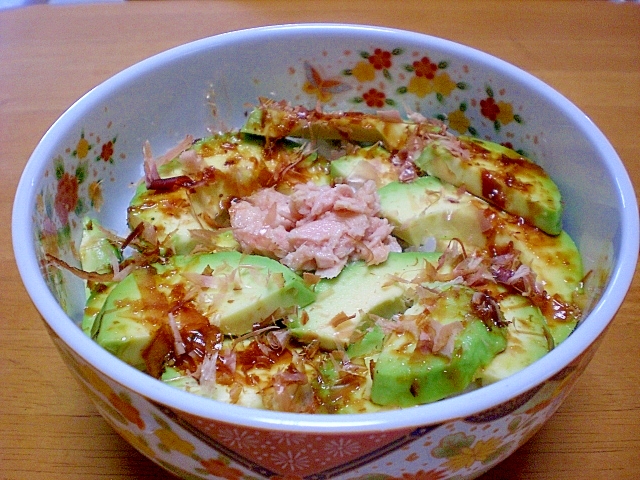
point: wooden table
(50, 55)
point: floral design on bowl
(393, 78)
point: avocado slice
(365, 163)
(276, 120)
(93, 306)
(427, 210)
(171, 215)
(232, 290)
(343, 302)
(528, 339)
(404, 375)
(128, 319)
(97, 251)
(430, 209)
(500, 176)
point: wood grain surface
(50, 55)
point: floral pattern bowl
(89, 159)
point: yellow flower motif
(464, 459)
(172, 441)
(467, 456)
(423, 86)
(505, 115)
(420, 86)
(459, 121)
(364, 72)
(443, 84)
(486, 448)
(322, 95)
(82, 148)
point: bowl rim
(457, 407)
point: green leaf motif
(81, 172)
(58, 165)
(452, 445)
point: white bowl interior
(172, 94)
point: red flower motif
(107, 151)
(489, 108)
(217, 467)
(66, 197)
(425, 68)
(380, 59)
(374, 98)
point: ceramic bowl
(88, 160)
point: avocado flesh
(365, 163)
(275, 123)
(428, 208)
(405, 376)
(125, 325)
(97, 254)
(93, 307)
(528, 339)
(343, 302)
(500, 176)
(97, 251)
(234, 291)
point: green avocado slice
(233, 291)
(528, 339)
(500, 176)
(343, 302)
(404, 375)
(275, 122)
(365, 163)
(97, 251)
(428, 209)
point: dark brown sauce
(492, 189)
